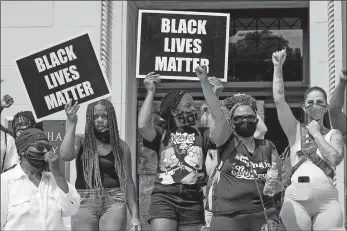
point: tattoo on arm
(331, 153)
(278, 82)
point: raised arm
(6, 102)
(284, 113)
(222, 130)
(71, 144)
(144, 125)
(338, 118)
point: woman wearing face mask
(238, 195)
(32, 199)
(212, 156)
(177, 197)
(311, 200)
(103, 164)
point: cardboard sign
(55, 131)
(174, 43)
(68, 70)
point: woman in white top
(311, 200)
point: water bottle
(272, 175)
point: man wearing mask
(32, 199)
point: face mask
(245, 128)
(39, 164)
(315, 112)
(103, 136)
(187, 118)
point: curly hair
(90, 160)
(27, 118)
(239, 99)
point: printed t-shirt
(181, 155)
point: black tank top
(108, 172)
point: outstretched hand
(279, 57)
(201, 72)
(217, 85)
(150, 81)
(71, 111)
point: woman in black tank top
(103, 165)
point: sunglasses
(41, 146)
(243, 118)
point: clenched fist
(279, 57)
(6, 101)
(201, 72)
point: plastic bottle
(272, 175)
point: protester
(6, 102)
(181, 145)
(238, 199)
(311, 200)
(212, 156)
(9, 155)
(22, 121)
(337, 117)
(103, 164)
(32, 199)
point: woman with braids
(237, 200)
(311, 200)
(103, 164)
(177, 196)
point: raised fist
(201, 72)
(279, 57)
(6, 101)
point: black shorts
(182, 203)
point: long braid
(90, 159)
(168, 103)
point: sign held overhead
(67, 71)
(173, 43)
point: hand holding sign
(279, 57)
(201, 72)
(71, 111)
(150, 81)
(6, 101)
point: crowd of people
(212, 174)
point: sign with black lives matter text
(67, 71)
(174, 43)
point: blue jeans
(106, 211)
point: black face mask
(37, 163)
(187, 118)
(245, 128)
(103, 136)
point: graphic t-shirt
(181, 155)
(236, 190)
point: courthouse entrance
(256, 30)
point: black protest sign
(173, 43)
(67, 71)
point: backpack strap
(309, 151)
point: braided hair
(231, 103)
(26, 118)
(90, 160)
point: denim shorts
(100, 210)
(182, 203)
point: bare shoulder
(79, 138)
(124, 145)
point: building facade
(315, 30)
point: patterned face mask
(188, 118)
(315, 111)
